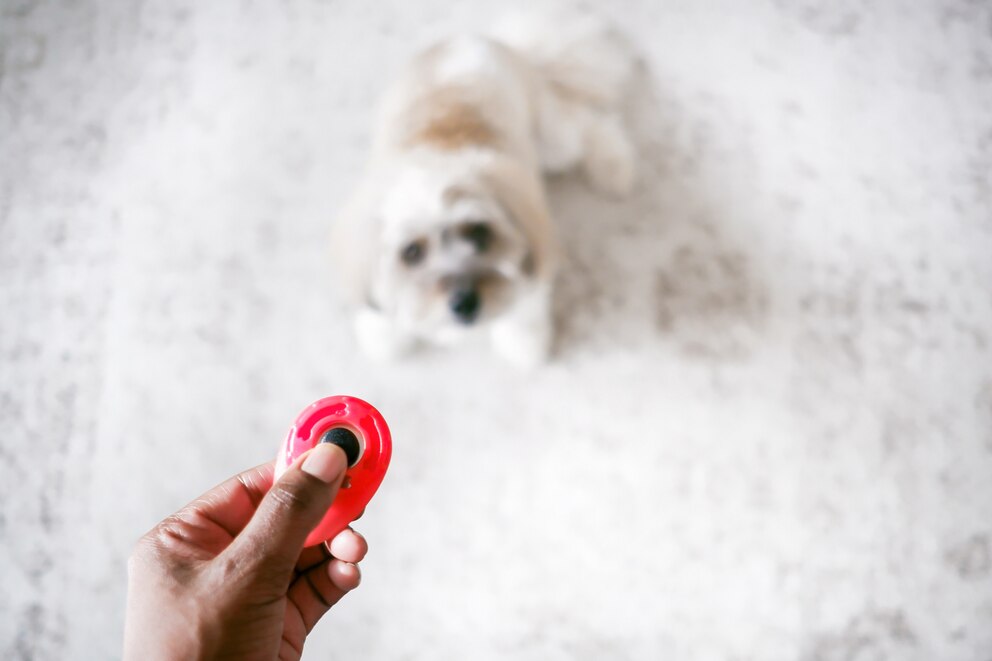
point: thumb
(269, 546)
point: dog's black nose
(465, 304)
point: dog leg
(609, 159)
(524, 335)
(379, 337)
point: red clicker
(358, 429)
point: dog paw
(524, 346)
(379, 338)
(610, 161)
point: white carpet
(768, 431)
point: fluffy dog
(449, 233)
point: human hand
(227, 576)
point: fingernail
(325, 462)
(345, 575)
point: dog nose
(465, 304)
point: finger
(270, 544)
(206, 526)
(315, 591)
(232, 503)
(312, 556)
(347, 545)
(346, 576)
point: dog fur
(449, 233)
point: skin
(227, 576)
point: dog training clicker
(358, 429)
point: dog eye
(413, 252)
(478, 234)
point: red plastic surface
(364, 478)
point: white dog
(449, 232)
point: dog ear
(522, 195)
(354, 241)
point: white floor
(768, 431)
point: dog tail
(586, 69)
(577, 52)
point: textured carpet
(767, 433)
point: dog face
(449, 256)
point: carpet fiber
(767, 431)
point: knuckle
(168, 535)
(151, 544)
(293, 498)
(159, 555)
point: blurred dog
(449, 232)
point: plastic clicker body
(363, 476)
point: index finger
(232, 503)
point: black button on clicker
(345, 439)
